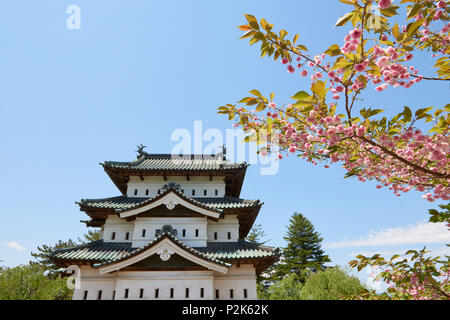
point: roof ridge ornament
(171, 185)
(140, 151)
(166, 229)
(224, 152)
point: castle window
(126, 293)
(182, 191)
(113, 236)
(231, 293)
(229, 235)
(99, 295)
(202, 292)
(157, 293)
(159, 191)
(171, 292)
(85, 295)
(193, 192)
(146, 192)
(245, 293)
(196, 232)
(217, 293)
(216, 192)
(135, 192)
(205, 192)
(143, 232)
(215, 235)
(141, 293)
(127, 236)
(114, 295)
(187, 293)
(184, 232)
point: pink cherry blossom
(384, 4)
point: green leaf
(247, 34)
(340, 63)
(389, 12)
(302, 103)
(350, 2)
(260, 107)
(301, 95)
(414, 10)
(395, 31)
(407, 114)
(334, 50)
(413, 27)
(251, 18)
(255, 93)
(344, 19)
(318, 88)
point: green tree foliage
(440, 216)
(28, 282)
(256, 235)
(413, 276)
(331, 284)
(288, 288)
(41, 256)
(90, 236)
(303, 251)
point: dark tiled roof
(122, 203)
(94, 251)
(158, 239)
(237, 250)
(166, 162)
(109, 252)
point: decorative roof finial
(224, 152)
(140, 150)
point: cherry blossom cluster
(400, 162)
(357, 151)
(403, 283)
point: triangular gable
(165, 246)
(171, 199)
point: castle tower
(176, 232)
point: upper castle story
(197, 197)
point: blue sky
(138, 70)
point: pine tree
(303, 253)
(41, 257)
(256, 235)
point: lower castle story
(238, 283)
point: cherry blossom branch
(410, 164)
(427, 78)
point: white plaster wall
(206, 227)
(189, 224)
(197, 183)
(229, 223)
(164, 281)
(119, 226)
(91, 281)
(237, 279)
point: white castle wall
(151, 184)
(190, 225)
(206, 229)
(236, 279)
(229, 223)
